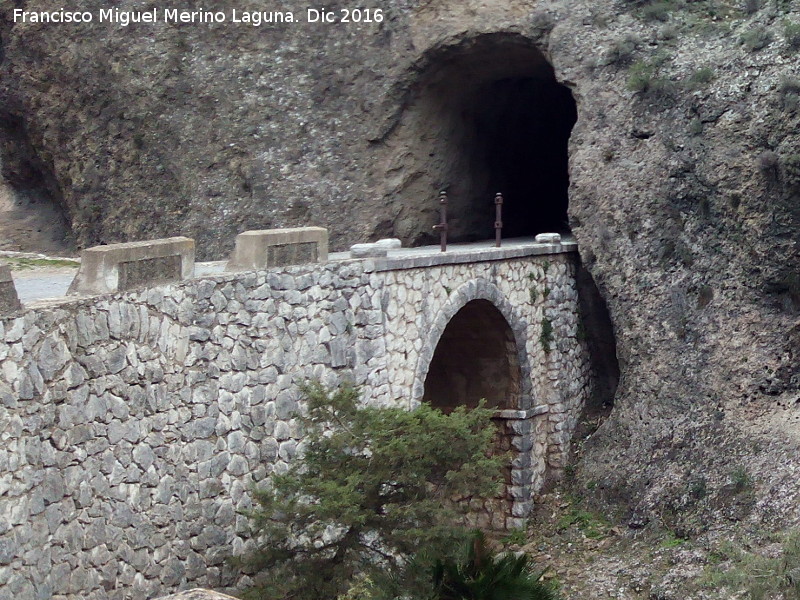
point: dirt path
(30, 224)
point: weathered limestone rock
(279, 247)
(9, 301)
(121, 267)
(368, 250)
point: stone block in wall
(9, 301)
(120, 267)
(265, 248)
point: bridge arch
(478, 303)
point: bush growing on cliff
(643, 78)
(789, 92)
(374, 487)
(701, 77)
(484, 575)
(755, 39)
(657, 11)
(791, 32)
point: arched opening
(487, 116)
(476, 358)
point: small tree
(485, 575)
(374, 487)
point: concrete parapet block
(120, 267)
(265, 248)
(9, 301)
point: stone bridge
(134, 424)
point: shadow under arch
(478, 302)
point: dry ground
(591, 557)
(31, 224)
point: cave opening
(32, 214)
(492, 117)
(476, 358)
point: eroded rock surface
(684, 184)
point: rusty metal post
(442, 226)
(498, 219)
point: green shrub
(757, 38)
(640, 77)
(657, 11)
(701, 77)
(486, 575)
(622, 50)
(546, 337)
(741, 479)
(791, 33)
(698, 488)
(516, 537)
(592, 525)
(672, 540)
(750, 7)
(789, 92)
(373, 487)
(769, 164)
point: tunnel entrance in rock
(476, 358)
(522, 127)
(491, 117)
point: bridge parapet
(477, 252)
(267, 248)
(121, 267)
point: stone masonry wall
(528, 291)
(133, 426)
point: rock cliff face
(677, 125)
